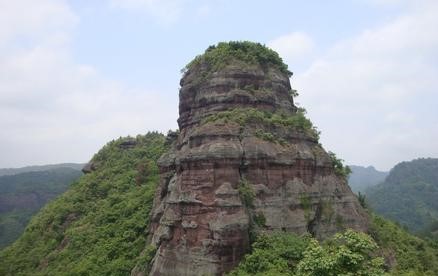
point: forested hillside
(23, 194)
(98, 226)
(409, 195)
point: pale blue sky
(76, 74)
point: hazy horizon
(77, 74)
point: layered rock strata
(244, 161)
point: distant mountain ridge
(363, 177)
(38, 168)
(409, 195)
(23, 194)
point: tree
(349, 253)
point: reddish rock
(199, 221)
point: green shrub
(274, 254)
(306, 204)
(348, 253)
(259, 219)
(246, 193)
(340, 168)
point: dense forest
(409, 194)
(24, 193)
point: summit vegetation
(218, 56)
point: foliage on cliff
(388, 250)
(348, 253)
(338, 165)
(245, 116)
(98, 226)
(218, 56)
(409, 194)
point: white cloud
(53, 109)
(33, 19)
(293, 47)
(165, 11)
(374, 95)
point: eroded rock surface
(226, 178)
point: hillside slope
(409, 194)
(364, 177)
(23, 194)
(98, 226)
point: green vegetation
(268, 136)
(260, 219)
(306, 204)
(245, 116)
(246, 193)
(408, 254)
(218, 56)
(23, 194)
(340, 169)
(273, 254)
(98, 226)
(12, 225)
(144, 262)
(349, 253)
(409, 194)
(362, 200)
(327, 210)
(388, 250)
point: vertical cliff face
(245, 160)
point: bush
(246, 193)
(274, 254)
(340, 168)
(348, 253)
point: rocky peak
(246, 160)
(221, 80)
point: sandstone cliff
(245, 160)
